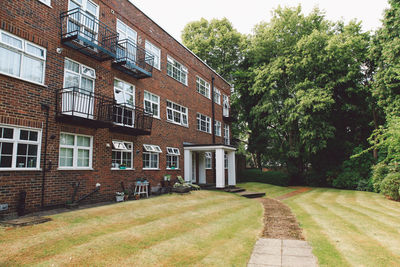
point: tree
(216, 42)
(301, 90)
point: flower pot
(119, 198)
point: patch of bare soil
(279, 221)
(299, 190)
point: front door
(193, 167)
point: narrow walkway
(282, 242)
(299, 190)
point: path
(282, 242)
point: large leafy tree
(216, 42)
(301, 90)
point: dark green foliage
(390, 186)
(268, 177)
(355, 172)
(379, 172)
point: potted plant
(126, 195)
(119, 196)
(122, 166)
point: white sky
(173, 15)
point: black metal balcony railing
(84, 107)
(84, 32)
(131, 120)
(133, 60)
(78, 106)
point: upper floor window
(217, 96)
(156, 52)
(203, 123)
(226, 106)
(21, 59)
(75, 151)
(77, 75)
(19, 148)
(84, 23)
(152, 104)
(176, 70)
(177, 114)
(124, 94)
(217, 128)
(203, 87)
(226, 135)
(126, 32)
(122, 155)
(89, 7)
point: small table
(142, 188)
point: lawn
(203, 228)
(345, 228)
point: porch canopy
(220, 150)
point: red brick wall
(20, 103)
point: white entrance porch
(220, 150)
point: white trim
(23, 53)
(207, 120)
(218, 133)
(16, 140)
(182, 69)
(152, 102)
(209, 148)
(219, 96)
(152, 148)
(46, 2)
(75, 148)
(181, 114)
(151, 51)
(124, 150)
(200, 86)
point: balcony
(131, 120)
(78, 106)
(85, 33)
(133, 60)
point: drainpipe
(46, 108)
(212, 110)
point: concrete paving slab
(266, 259)
(269, 242)
(295, 261)
(296, 251)
(295, 243)
(259, 249)
(262, 265)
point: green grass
(271, 191)
(344, 227)
(201, 229)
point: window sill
(177, 80)
(185, 126)
(74, 169)
(20, 169)
(117, 169)
(209, 98)
(203, 131)
(173, 169)
(24, 80)
(150, 169)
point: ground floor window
(226, 160)
(173, 158)
(19, 148)
(208, 160)
(75, 151)
(151, 156)
(122, 155)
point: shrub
(390, 186)
(379, 172)
(268, 177)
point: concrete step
(235, 190)
(251, 194)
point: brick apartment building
(94, 91)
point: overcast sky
(173, 15)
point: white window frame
(173, 153)
(131, 106)
(208, 160)
(80, 74)
(179, 68)
(217, 96)
(226, 105)
(217, 128)
(82, 26)
(123, 147)
(16, 140)
(152, 103)
(182, 115)
(207, 120)
(75, 148)
(151, 150)
(128, 36)
(203, 87)
(226, 135)
(156, 52)
(23, 52)
(225, 160)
